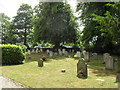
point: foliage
(22, 22)
(54, 23)
(12, 54)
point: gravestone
(60, 52)
(63, 51)
(66, 53)
(105, 57)
(29, 52)
(94, 56)
(73, 51)
(33, 51)
(40, 63)
(82, 69)
(51, 54)
(41, 50)
(109, 63)
(78, 54)
(36, 50)
(55, 54)
(47, 51)
(86, 56)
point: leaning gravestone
(51, 54)
(78, 54)
(40, 63)
(109, 63)
(82, 69)
(105, 56)
(94, 56)
(86, 56)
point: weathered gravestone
(82, 69)
(36, 50)
(63, 51)
(55, 54)
(51, 54)
(41, 50)
(78, 54)
(86, 56)
(47, 51)
(33, 50)
(29, 52)
(60, 52)
(40, 63)
(109, 63)
(66, 53)
(105, 57)
(94, 56)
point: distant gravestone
(33, 51)
(109, 63)
(60, 52)
(41, 50)
(47, 51)
(94, 56)
(40, 63)
(73, 51)
(66, 53)
(105, 57)
(82, 69)
(29, 52)
(86, 56)
(36, 50)
(63, 51)
(51, 54)
(55, 54)
(78, 54)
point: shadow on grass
(98, 68)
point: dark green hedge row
(12, 54)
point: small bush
(12, 54)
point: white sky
(10, 7)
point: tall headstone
(82, 69)
(51, 54)
(60, 52)
(41, 50)
(29, 52)
(47, 51)
(40, 63)
(105, 56)
(63, 51)
(86, 56)
(33, 50)
(78, 54)
(94, 56)
(36, 50)
(109, 63)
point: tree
(54, 23)
(22, 22)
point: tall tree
(22, 22)
(54, 23)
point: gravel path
(8, 83)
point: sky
(10, 7)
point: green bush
(12, 54)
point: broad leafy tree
(54, 23)
(22, 22)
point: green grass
(50, 76)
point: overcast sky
(10, 7)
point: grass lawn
(50, 76)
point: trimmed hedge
(12, 54)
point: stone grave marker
(55, 54)
(36, 50)
(63, 51)
(66, 53)
(33, 50)
(94, 56)
(109, 63)
(78, 54)
(29, 52)
(51, 54)
(86, 56)
(105, 57)
(41, 50)
(60, 52)
(48, 51)
(82, 69)
(40, 63)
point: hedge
(12, 54)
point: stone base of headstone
(82, 69)
(40, 63)
(118, 78)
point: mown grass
(50, 76)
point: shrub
(12, 54)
